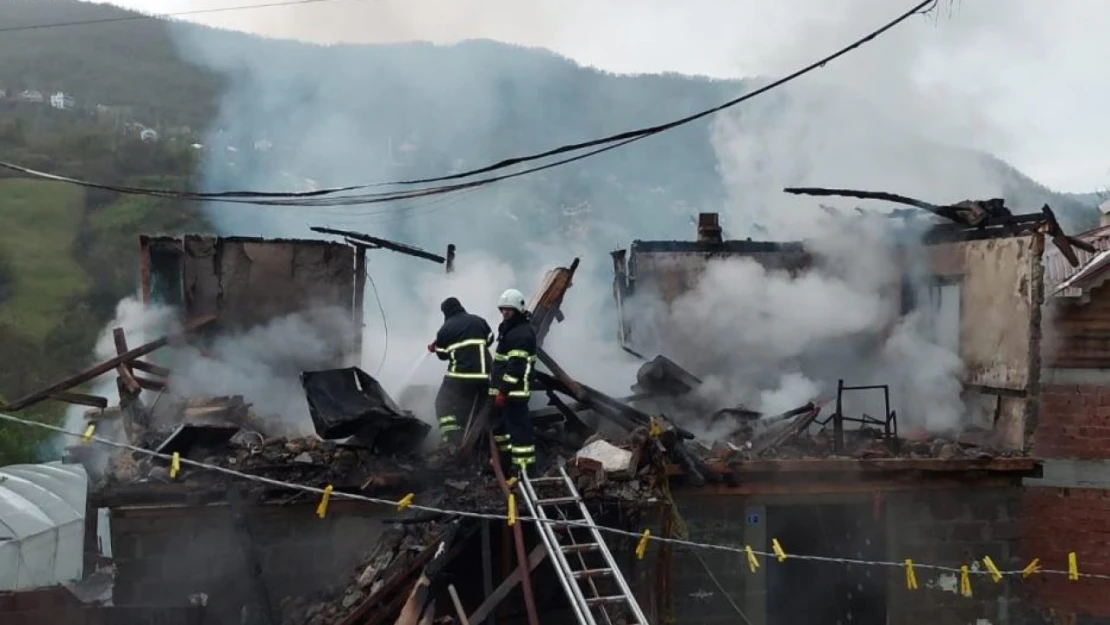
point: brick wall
(164, 555)
(1060, 520)
(1069, 510)
(1074, 422)
(951, 526)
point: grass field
(39, 222)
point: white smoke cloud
(264, 364)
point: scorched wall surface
(163, 555)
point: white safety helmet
(512, 298)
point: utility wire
(528, 519)
(611, 142)
(155, 16)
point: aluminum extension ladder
(582, 561)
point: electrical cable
(385, 325)
(155, 16)
(608, 143)
(528, 519)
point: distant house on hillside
(31, 95)
(62, 101)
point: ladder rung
(611, 599)
(578, 548)
(593, 573)
(544, 480)
(556, 500)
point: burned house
(838, 495)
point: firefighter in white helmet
(511, 382)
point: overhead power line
(329, 197)
(154, 16)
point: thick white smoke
(872, 120)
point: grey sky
(1025, 75)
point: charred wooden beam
(545, 306)
(494, 598)
(420, 597)
(105, 366)
(365, 240)
(150, 384)
(398, 582)
(127, 383)
(81, 399)
(948, 212)
(518, 541)
(152, 369)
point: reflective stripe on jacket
(464, 341)
(514, 357)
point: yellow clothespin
(88, 433)
(753, 564)
(512, 509)
(911, 578)
(996, 575)
(779, 553)
(1031, 568)
(405, 502)
(322, 509)
(175, 465)
(511, 483)
(965, 582)
(1073, 567)
(641, 548)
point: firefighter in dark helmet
(463, 341)
(511, 382)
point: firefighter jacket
(514, 357)
(463, 340)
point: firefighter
(511, 382)
(463, 340)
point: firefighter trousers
(512, 430)
(455, 402)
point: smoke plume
(877, 119)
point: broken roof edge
(996, 228)
(167, 238)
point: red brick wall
(1056, 521)
(1074, 422)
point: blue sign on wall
(753, 519)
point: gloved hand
(432, 347)
(499, 400)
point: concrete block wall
(57, 606)
(950, 526)
(953, 527)
(164, 555)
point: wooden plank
(81, 399)
(152, 369)
(150, 384)
(127, 380)
(144, 268)
(848, 487)
(881, 465)
(106, 366)
(493, 599)
(459, 611)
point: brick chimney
(709, 228)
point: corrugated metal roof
(42, 521)
(1057, 271)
